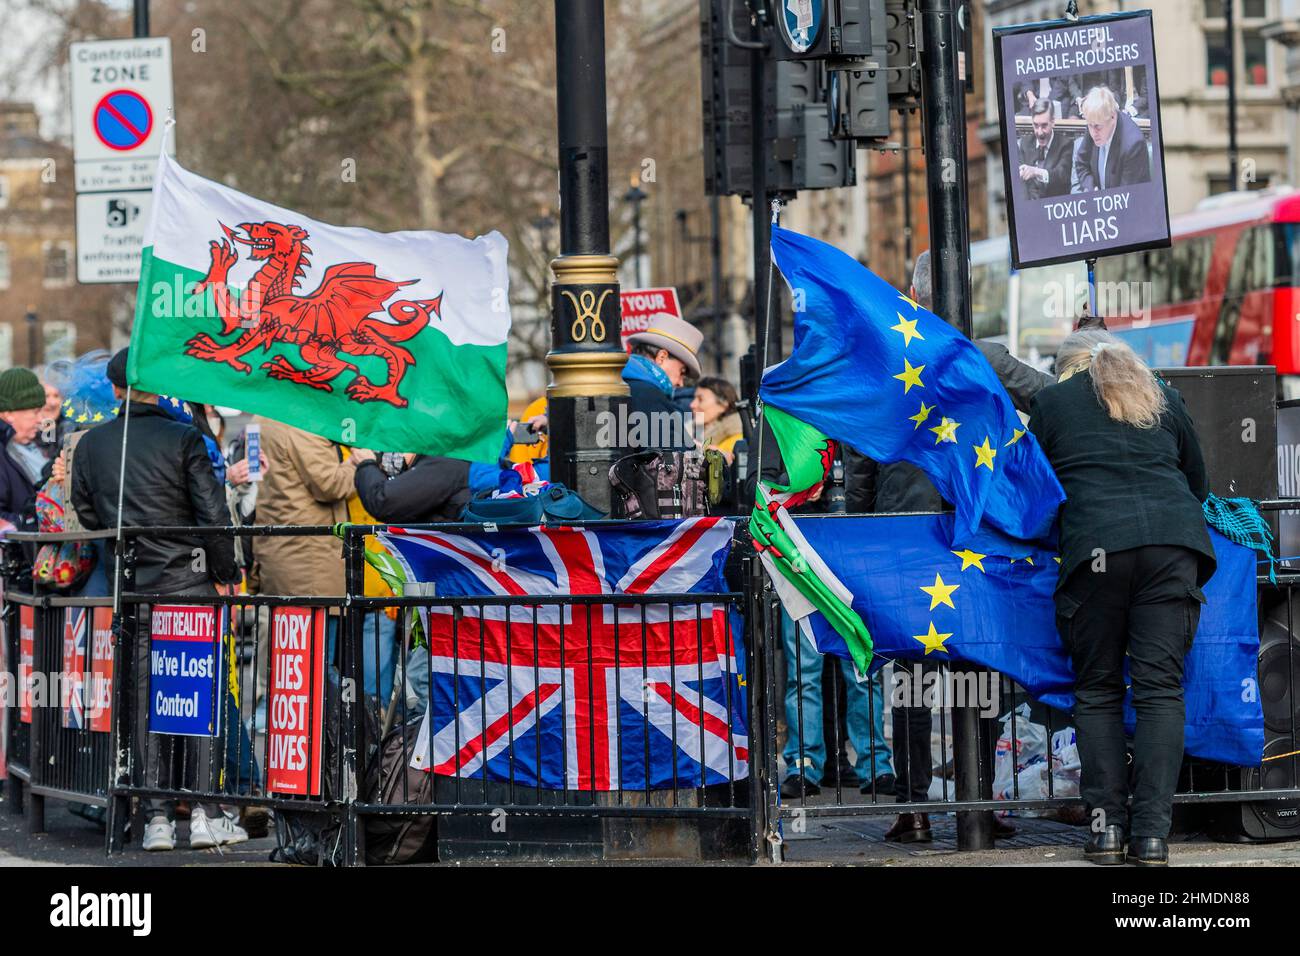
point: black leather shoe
(1105, 848)
(910, 828)
(1148, 851)
(792, 788)
(882, 786)
(1002, 830)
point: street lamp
(635, 195)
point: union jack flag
(75, 636)
(581, 695)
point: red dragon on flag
(328, 325)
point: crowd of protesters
(184, 470)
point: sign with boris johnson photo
(1079, 109)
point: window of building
(6, 345)
(1254, 54)
(1216, 58)
(4, 191)
(1222, 182)
(59, 340)
(4, 266)
(58, 263)
(1250, 9)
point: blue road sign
(123, 119)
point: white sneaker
(160, 834)
(205, 833)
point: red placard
(639, 305)
(295, 702)
(101, 670)
(26, 657)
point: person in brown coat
(308, 484)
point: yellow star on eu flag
(946, 430)
(1016, 435)
(984, 454)
(910, 376)
(933, 641)
(920, 416)
(97, 417)
(940, 593)
(908, 301)
(908, 329)
(969, 558)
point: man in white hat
(663, 354)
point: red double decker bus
(1227, 292)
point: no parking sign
(121, 98)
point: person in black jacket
(168, 481)
(1114, 153)
(431, 488)
(1045, 156)
(1134, 554)
(22, 464)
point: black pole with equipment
(586, 358)
(945, 173)
(1230, 33)
(766, 334)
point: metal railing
(535, 738)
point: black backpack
(314, 838)
(391, 780)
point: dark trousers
(913, 755)
(1144, 604)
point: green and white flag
(391, 340)
(802, 580)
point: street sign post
(110, 235)
(121, 100)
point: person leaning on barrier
(902, 487)
(1134, 554)
(430, 488)
(169, 481)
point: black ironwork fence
(538, 724)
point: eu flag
(873, 369)
(923, 600)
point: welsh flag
(394, 341)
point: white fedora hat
(677, 336)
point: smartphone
(523, 435)
(253, 450)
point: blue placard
(184, 671)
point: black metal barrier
(589, 793)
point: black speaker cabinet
(1279, 670)
(1234, 408)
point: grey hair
(1123, 383)
(922, 286)
(1042, 105)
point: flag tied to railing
(580, 695)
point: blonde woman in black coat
(1134, 554)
